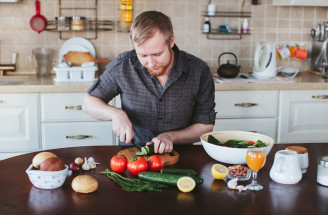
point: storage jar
(322, 172)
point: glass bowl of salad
(231, 146)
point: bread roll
(52, 164)
(40, 157)
(84, 184)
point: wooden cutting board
(77, 58)
(168, 158)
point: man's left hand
(162, 143)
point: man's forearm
(98, 109)
(190, 134)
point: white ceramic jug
(286, 168)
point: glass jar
(63, 23)
(126, 4)
(78, 23)
(322, 175)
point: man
(167, 95)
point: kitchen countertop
(18, 196)
(304, 81)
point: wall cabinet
(19, 124)
(255, 111)
(303, 116)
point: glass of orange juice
(255, 159)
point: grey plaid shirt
(187, 97)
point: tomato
(118, 163)
(138, 165)
(156, 163)
(250, 142)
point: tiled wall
(268, 23)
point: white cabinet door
(303, 116)
(61, 135)
(266, 126)
(19, 122)
(246, 104)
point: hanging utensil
(38, 22)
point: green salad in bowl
(231, 146)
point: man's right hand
(122, 126)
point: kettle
(228, 70)
(265, 63)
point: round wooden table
(18, 196)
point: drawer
(266, 126)
(246, 104)
(61, 135)
(8, 100)
(63, 107)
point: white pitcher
(286, 168)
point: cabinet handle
(320, 97)
(78, 107)
(79, 137)
(246, 104)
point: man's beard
(157, 72)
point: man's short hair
(148, 23)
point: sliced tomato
(138, 165)
(250, 142)
(118, 163)
(156, 163)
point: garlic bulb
(91, 160)
(93, 165)
(86, 165)
(232, 184)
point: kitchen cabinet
(19, 124)
(64, 123)
(303, 116)
(255, 111)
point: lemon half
(186, 184)
(219, 171)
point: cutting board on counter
(168, 158)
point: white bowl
(233, 155)
(48, 179)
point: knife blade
(132, 141)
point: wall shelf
(236, 14)
(215, 34)
(94, 25)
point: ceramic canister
(303, 156)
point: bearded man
(167, 95)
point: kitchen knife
(132, 141)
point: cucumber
(185, 172)
(169, 179)
(148, 149)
